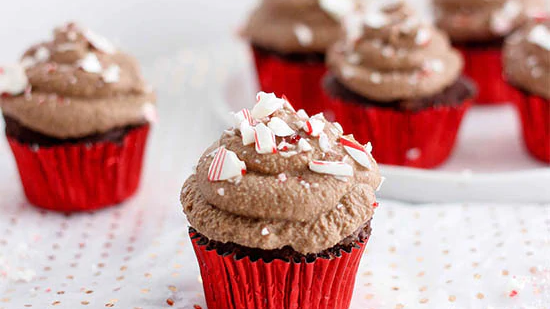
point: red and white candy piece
(359, 153)
(423, 37)
(13, 80)
(287, 104)
(226, 165)
(90, 63)
(99, 42)
(304, 145)
(267, 104)
(540, 35)
(111, 74)
(314, 126)
(247, 133)
(264, 139)
(243, 115)
(331, 168)
(280, 127)
(302, 114)
(324, 142)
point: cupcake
(280, 210)
(396, 82)
(77, 115)
(527, 69)
(289, 39)
(478, 29)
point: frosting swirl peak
(79, 84)
(298, 177)
(389, 54)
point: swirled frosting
(305, 184)
(79, 84)
(296, 26)
(527, 58)
(389, 54)
(482, 20)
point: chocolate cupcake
(478, 29)
(527, 69)
(77, 115)
(289, 39)
(396, 82)
(280, 210)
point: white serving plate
(489, 162)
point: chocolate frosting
(282, 201)
(527, 58)
(79, 85)
(483, 20)
(296, 26)
(389, 54)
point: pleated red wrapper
(300, 82)
(232, 283)
(484, 66)
(535, 119)
(81, 177)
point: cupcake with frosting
(527, 69)
(289, 39)
(77, 114)
(478, 29)
(284, 197)
(396, 82)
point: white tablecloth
(139, 256)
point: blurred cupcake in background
(289, 39)
(396, 82)
(280, 210)
(527, 69)
(478, 29)
(77, 115)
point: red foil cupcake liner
(535, 120)
(300, 82)
(81, 177)
(422, 139)
(230, 283)
(484, 66)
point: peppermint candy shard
(358, 152)
(331, 168)
(304, 146)
(267, 104)
(264, 139)
(243, 115)
(287, 104)
(302, 114)
(247, 133)
(540, 35)
(324, 142)
(99, 42)
(90, 63)
(13, 80)
(314, 127)
(225, 165)
(280, 127)
(111, 74)
(338, 127)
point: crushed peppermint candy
(287, 104)
(280, 127)
(13, 80)
(149, 111)
(284, 146)
(348, 72)
(42, 54)
(423, 37)
(282, 177)
(337, 8)
(221, 191)
(264, 139)
(376, 77)
(331, 168)
(304, 34)
(302, 114)
(314, 126)
(90, 63)
(267, 104)
(540, 36)
(502, 20)
(338, 127)
(247, 133)
(359, 153)
(111, 74)
(265, 231)
(225, 165)
(99, 42)
(243, 115)
(324, 142)
(304, 145)
(375, 19)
